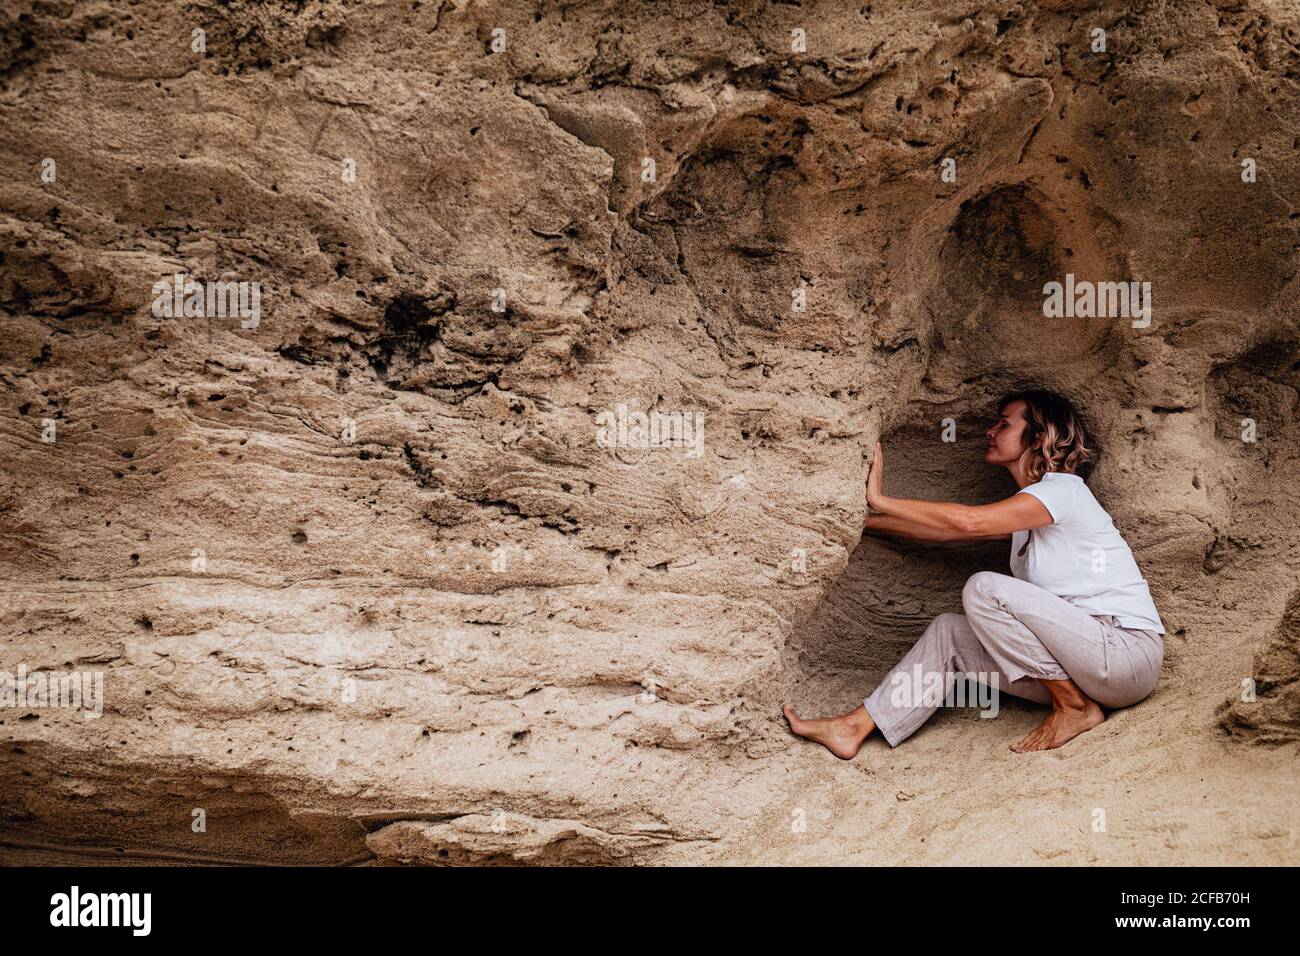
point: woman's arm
(1018, 513)
(889, 525)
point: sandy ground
(1172, 792)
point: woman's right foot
(842, 736)
(1061, 726)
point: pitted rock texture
(362, 581)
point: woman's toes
(1059, 729)
(1031, 740)
(831, 733)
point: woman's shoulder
(1058, 491)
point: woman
(1073, 626)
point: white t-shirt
(1081, 557)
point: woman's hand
(876, 479)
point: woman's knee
(980, 587)
(946, 624)
(952, 630)
(942, 631)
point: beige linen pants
(1015, 632)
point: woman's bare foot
(842, 736)
(1063, 724)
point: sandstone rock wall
(362, 581)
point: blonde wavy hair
(1055, 437)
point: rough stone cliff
(363, 578)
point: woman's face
(1006, 437)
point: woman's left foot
(1061, 726)
(842, 736)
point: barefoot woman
(1074, 625)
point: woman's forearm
(889, 524)
(944, 516)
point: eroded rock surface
(362, 581)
